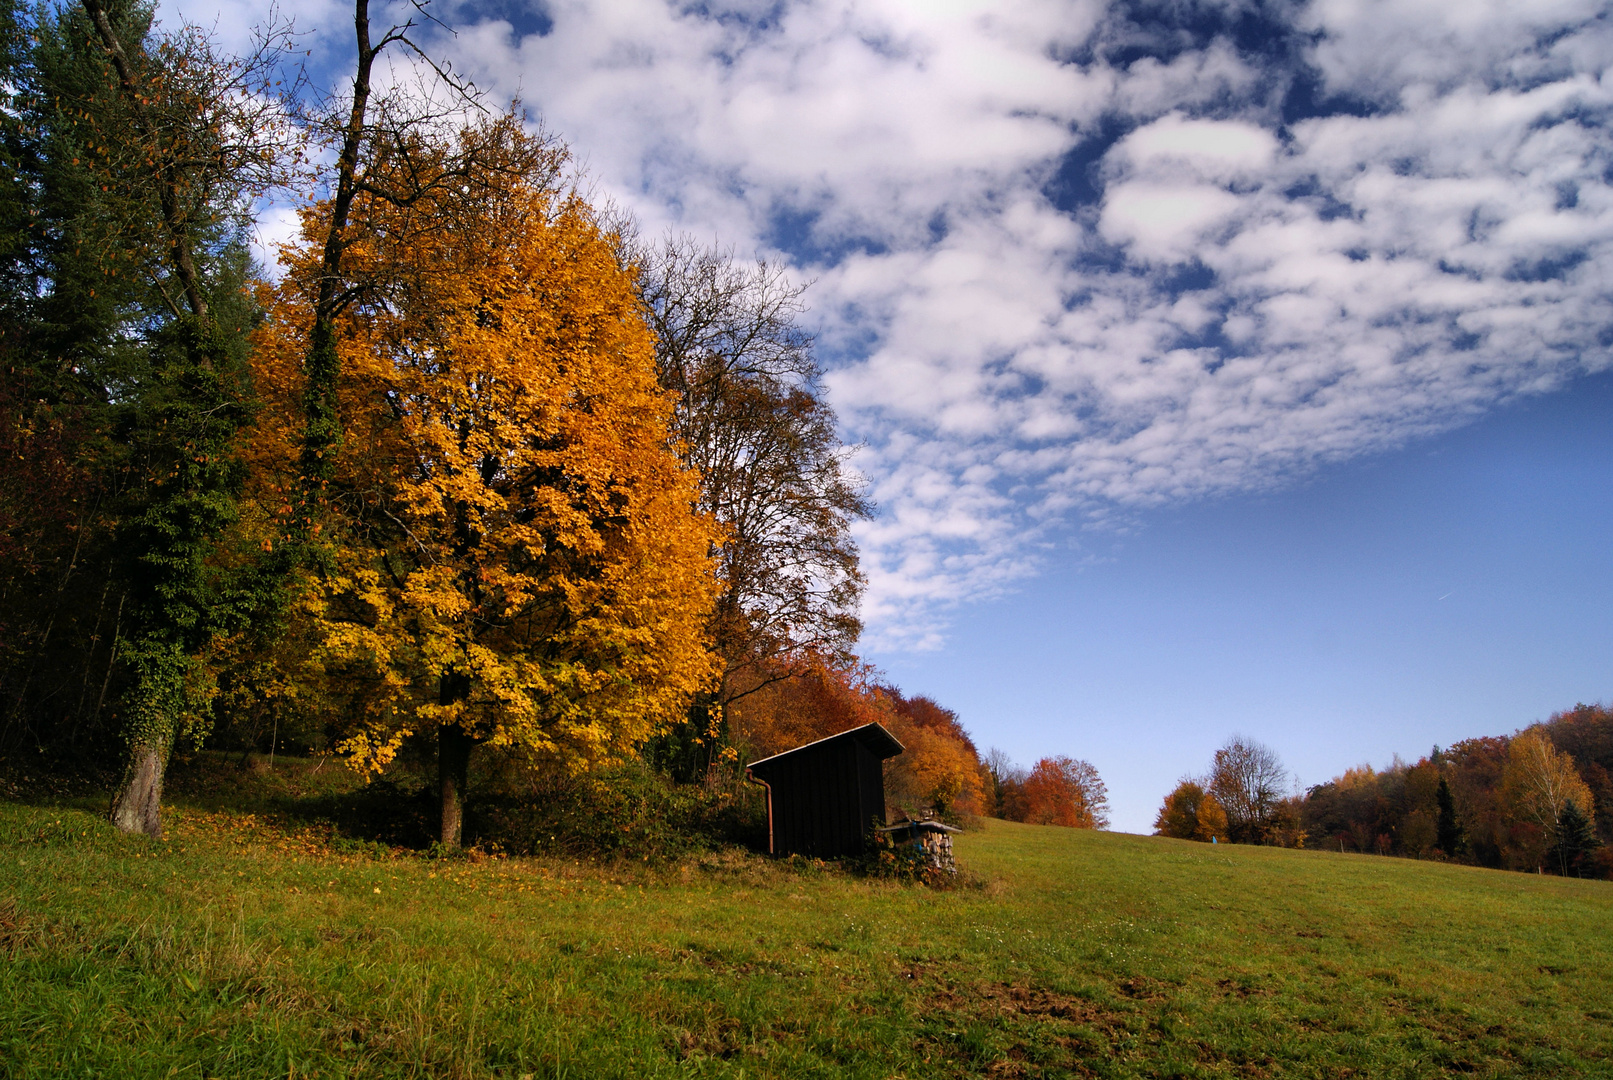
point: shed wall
(825, 798)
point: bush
(628, 811)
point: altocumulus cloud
(1077, 259)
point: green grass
(243, 946)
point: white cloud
(1165, 222)
(1222, 150)
(1234, 299)
(1379, 48)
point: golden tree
(1539, 781)
(520, 561)
(1212, 820)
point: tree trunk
(137, 805)
(453, 759)
(453, 756)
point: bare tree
(750, 416)
(1248, 780)
(1006, 778)
(190, 130)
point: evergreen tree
(1574, 839)
(127, 162)
(76, 313)
(1448, 830)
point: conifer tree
(1448, 829)
(184, 156)
(1573, 839)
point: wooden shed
(824, 798)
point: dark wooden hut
(824, 798)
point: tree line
(1539, 800)
(480, 471)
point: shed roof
(874, 738)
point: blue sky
(1459, 587)
(1194, 349)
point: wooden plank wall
(826, 797)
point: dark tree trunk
(453, 758)
(137, 805)
(322, 426)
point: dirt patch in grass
(1039, 1001)
(723, 1038)
(1240, 988)
(1009, 1029)
(1142, 988)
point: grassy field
(245, 946)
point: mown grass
(246, 946)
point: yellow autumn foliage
(1539, 781)
(508, 518)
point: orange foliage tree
(1064, 791)
(1191, 813)
(1499, 801)
(822, 695)
(943, 767)
(519, 563)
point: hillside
(238, 947)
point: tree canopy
(519, 560)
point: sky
(1214, 366)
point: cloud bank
(1077, 259)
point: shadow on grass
(628, 811)
(397, 812)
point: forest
(1539, 801)
(479, 491)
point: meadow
(252, 943)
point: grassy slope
(240, 948)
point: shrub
(626, 811)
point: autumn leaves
(514, 546)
